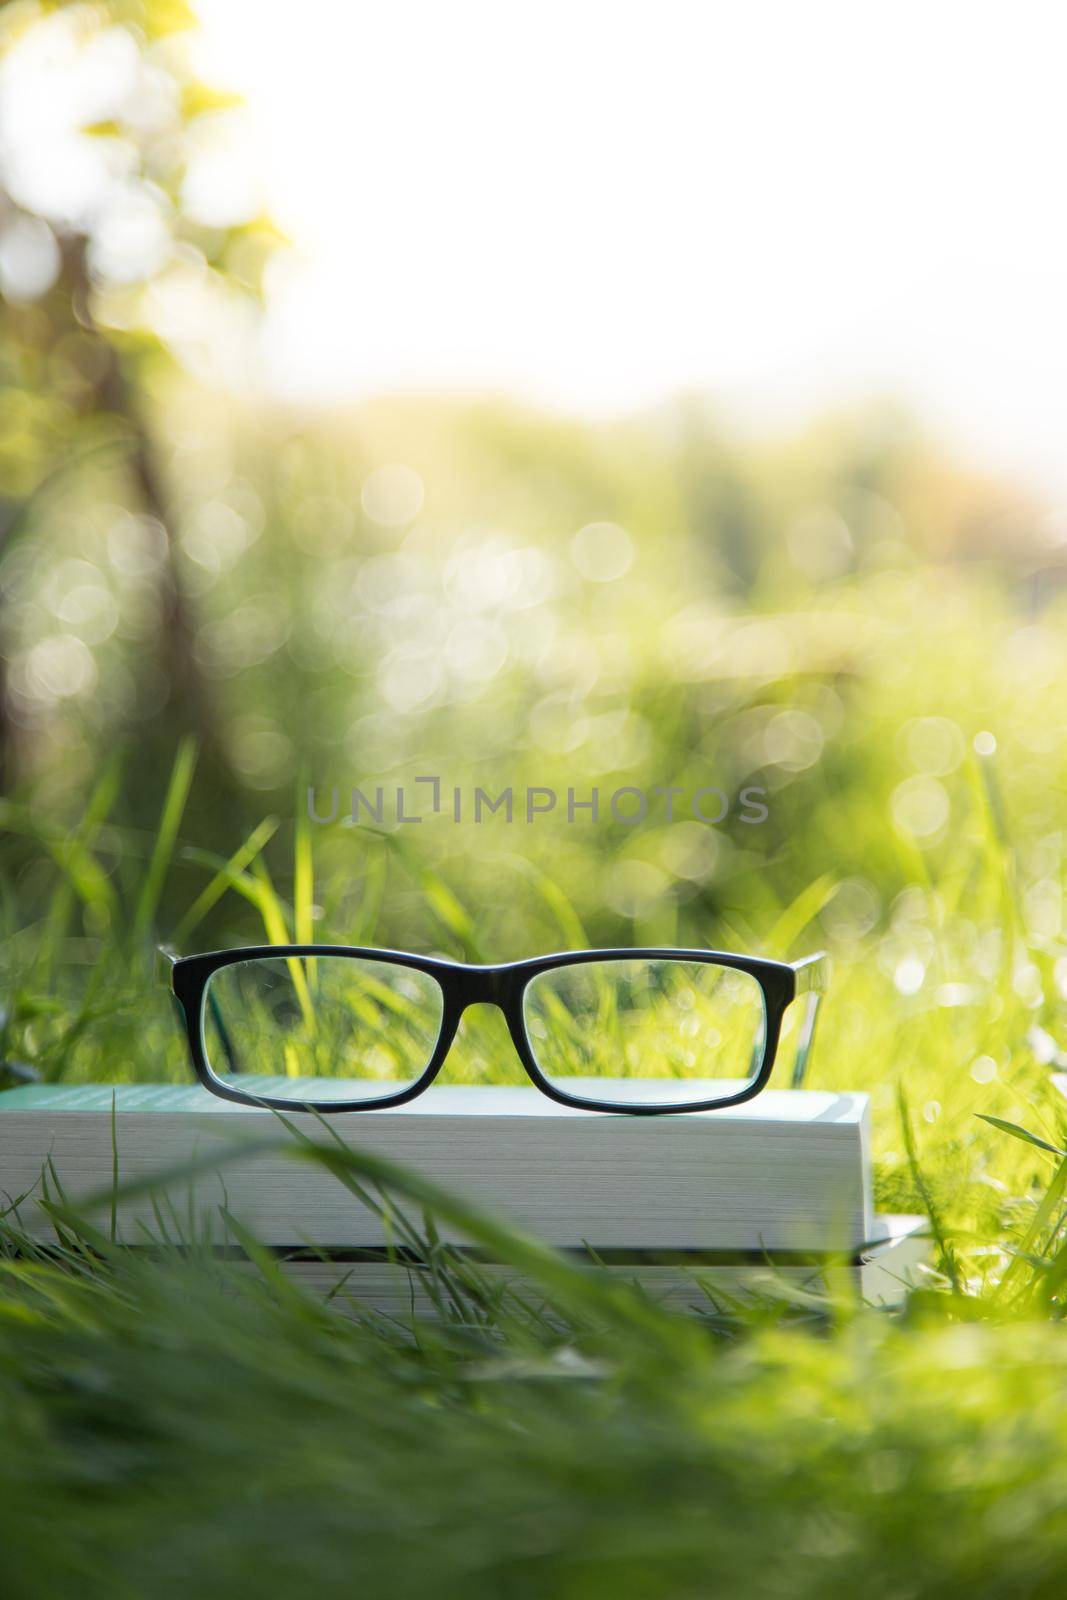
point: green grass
(172, 1425)
(175, 1425)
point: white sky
(596, 204)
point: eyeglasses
(336, 1028)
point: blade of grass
(222, 880)
(303, 873)
(82, 875)
(555, 900)
(1021, 1133)
(796, 916)
(937, 1228)
(181, 778)
(274, 921)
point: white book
(892, 1261)
(786, 1172)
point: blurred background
(575, 397)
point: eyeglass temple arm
(812, 979)
(166, 960)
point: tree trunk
(190, 694)
(191, 703)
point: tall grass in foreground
(178, 1425)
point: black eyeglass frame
(504, 986)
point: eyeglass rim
(502, 984)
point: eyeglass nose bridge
(475, 986)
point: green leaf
(1022, 1133)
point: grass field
(171, 1427)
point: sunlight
(597, 206)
